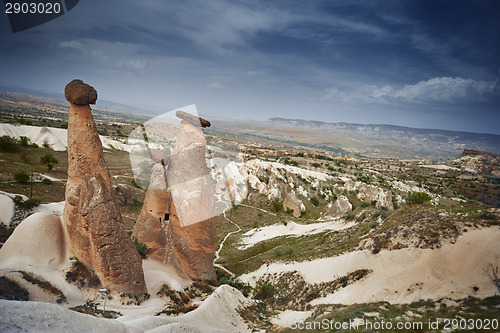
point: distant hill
(102, 104)
(417, 142)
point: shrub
(245, 288)
(140, 247)
(82, 276)
(25, 158)
(8, 144)
(418, 198)
(315, 201)
(49, 160)
(46, 181)
(277, 205)
(44, 284)
(24, 141)
(265, 291)
(21, 177)
(11, 290)
(373, 224)
(27, 204)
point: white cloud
(438, 89)
(215, 85)
(445, 89)
(136, 65)
(71, 44)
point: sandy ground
(216, 314)
(255, 236)
(406, 275)
(38, 246)
(288, 317)
(55, 208)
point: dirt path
(222, 243)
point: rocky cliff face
(177, 220)
(92, 219)
(338, 208)
(481, 162)
(369, 193)
(294, 204)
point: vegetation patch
(83, 277)
(44, 284)
(414, 226)
(289, 290)
(12, 291)
(424, 311)
(91, 308)
(5, 233)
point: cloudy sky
(422, 63)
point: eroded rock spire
(93, 221)
(177, 220)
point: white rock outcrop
(338, 208)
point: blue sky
(429, 64)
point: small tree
(8, 144)
(49, 160)
(21, 177)
(24, 141)
(494, 275)
(418, 197)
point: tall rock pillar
(177, 220)
(93, 221)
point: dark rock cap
(194, 120)
(78, 92)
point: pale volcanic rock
(294, 204)
(91, 215)
(339, 208)
(39, 240)
(178, 217)
(369, 193)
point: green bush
(277, 205)
(418, 198)
(24, 141)
(11, 290)
(245, 288)
(265, 291)
(315, 201)
(8, 144)
(373, 224)
(21, 177)
(140, 247)
(49, 160)
(27, 204)
(46, 181)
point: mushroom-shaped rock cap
(194, 120)
(80, 93)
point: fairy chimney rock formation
(93, 222)
(177, 220)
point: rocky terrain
(298, 234)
